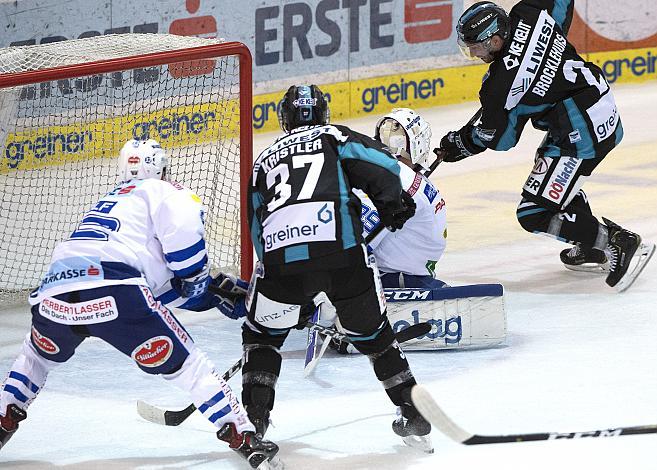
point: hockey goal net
(66, 109)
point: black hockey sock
(259, 376)
(391, 368)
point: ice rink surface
(578, 356)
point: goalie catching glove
(393, 217)
(457, 145)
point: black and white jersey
(540, 76)
(300, 201)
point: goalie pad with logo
(471, 316)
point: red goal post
(66, 109)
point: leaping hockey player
(306, 228)
(536, 74)
(140, 246)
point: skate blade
(272, 464)
(592, 268)
(422, 443)
(639, 261)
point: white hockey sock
(210, 393)
(25, 378)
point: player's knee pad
(260, 372)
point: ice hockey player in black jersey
(536, 74)
(306, 229)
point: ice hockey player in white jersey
(408, 257)
(140, 246)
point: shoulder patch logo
(510, 62)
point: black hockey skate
(260, 454)
(9, 423)
(411, 426)
(587, 260)
(622, 247)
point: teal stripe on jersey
(348, 232)
(256, 227)
(509, 138)
(559, 11)
(296, 253)
(584, 146)
(360, 152)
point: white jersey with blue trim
(417, 247)
(143, 232)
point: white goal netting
(63, 123)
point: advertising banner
(369, 56)
(287, 38)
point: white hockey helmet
(407, 135)
(142, 159)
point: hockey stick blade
(164, 417)
(428, 407)
(412, 332)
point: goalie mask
(142, 159)
(303, 105)
(407, 135)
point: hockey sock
(260, 373)
(26, 377)
(210, 393)
(575, 226)
(391, 368)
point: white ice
(578, 357)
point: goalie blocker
(471, 316)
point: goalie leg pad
(461, 317)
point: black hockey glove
(394, 217)
(457, 145)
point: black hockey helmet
(303, 105)
(481, 22)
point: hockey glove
(457, 145)
(192, 286)
(394, 217)
(231, 299)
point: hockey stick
(174, 418)
(158, 415)
(428, 407)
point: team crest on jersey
(153, 352)
(540, 166)
(44, 343)
(510, 62)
